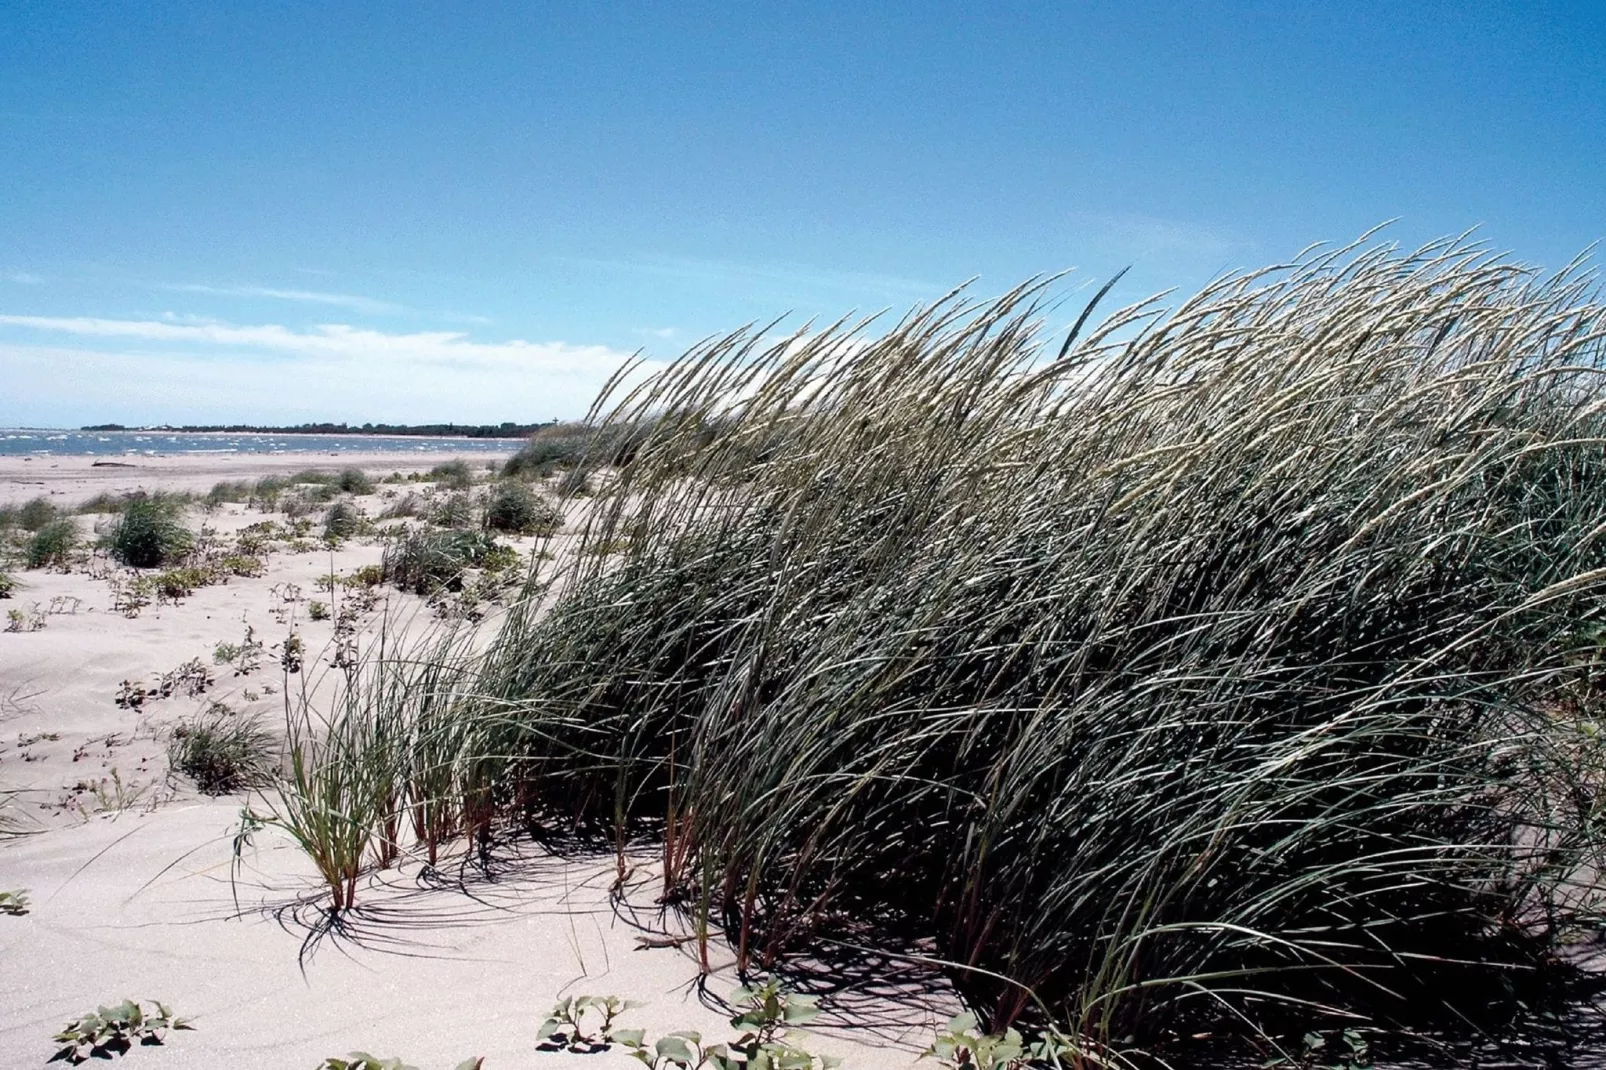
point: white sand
(140, 905)
(136, 902)
(68, 480)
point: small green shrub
(516, 509)
(425, 561)
(366, 576)
(409, 504)
(499, 558)
(185, 580)
(36, 513)
(149, 534)
(549, 450)
(354, 481)
(245, 657)
(110, 1031)
(242, 564)
(14, 903)
(52, 544)
(222, 751)
(7, 585)
(318, 610)
(104, 502)
(265, 494)
(238, 491)
(342, 522)
(454, 474)
(455, 511)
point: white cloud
(331, 340)
(24, 278)
(152, 370)
(355, 302)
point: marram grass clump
(515, 509)
(150, 533)
(1215, 668)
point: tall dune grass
(382, 759)
(1214, 664)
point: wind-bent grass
(1216, 664)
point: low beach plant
(223, 751)
(228, 491)
(454, 474)
(109, 1031)
(52, 544)
(514, 508)
(244, 657)
(456, 510)
(183, 581)
(361, 1060)
(8, 585)
(424, 561)
(354, 481)
(35, 513)
(584, 1024)
(409, 504)
(149, 534)
(549, 450)
(14, 903)
(342, 522)
(765, 1014)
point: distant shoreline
(502, 430)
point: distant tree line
(506, 429)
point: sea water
(17, 442)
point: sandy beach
(70, 479)
(130, 873)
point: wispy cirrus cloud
(142, 370)
(23, 278)
(324, 340)
(355, 302)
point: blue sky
(415, 212)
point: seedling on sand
(14, 903)
(565, 1029)
(764, 1015)
(361, 1060)
(110, 1031)
(963, 1046)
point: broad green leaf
(675, 1048)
